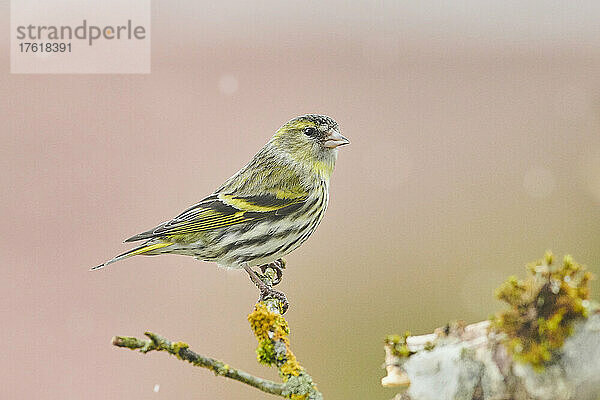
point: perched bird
(264, 211)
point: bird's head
(311, 139)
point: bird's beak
(334, 140)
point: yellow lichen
(271, 328)
(177, 346)
(543, 309)
(299, 396)
(262, 321)
(291, 366)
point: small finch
(263, 212)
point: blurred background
(475, 130)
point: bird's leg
(278, 266)
(266, 291)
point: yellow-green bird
(264, 211)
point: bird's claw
(266, 291)
(277, 266)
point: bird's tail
(145, 248)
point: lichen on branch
(545, 346)
(271, 330)
(182, 351)
(543, 309)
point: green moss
(398, 345)
(542, 309)
(265, 352)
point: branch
(181, 351)
(546, 346)
(271, 330)
(471, 363)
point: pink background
(475, 136)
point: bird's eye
(310, 131)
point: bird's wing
(222, 209)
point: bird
(263, 212)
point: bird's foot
(270, 293)
(266, 291)
(278, 266)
